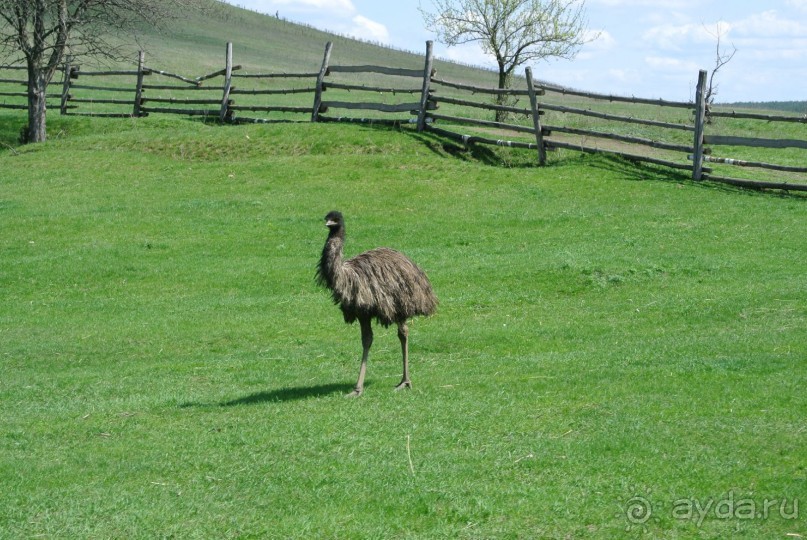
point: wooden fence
(735, 142)
(541, 117)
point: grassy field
(619, 352)
(611, 339)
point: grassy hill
(195, 45)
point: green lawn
(609, 337)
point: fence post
(68, 73)
(536, 118)
(700, 122)
(138, 103)
(428, 71)
(320, 81)
(224, 113)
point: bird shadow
(295, 393)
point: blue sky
(645, 48)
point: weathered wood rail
(12, 87)
(395, 97)
(398, 95)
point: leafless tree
(721, 59)
(44, 32)
(381, 284)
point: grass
(606, 332)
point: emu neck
(330, 263)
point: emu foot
(355, 393)
(406, 383)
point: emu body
(381, 284)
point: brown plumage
(381, 284)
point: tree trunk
(505, 78)
(37, 106)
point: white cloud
(768, 50)
(597, 42)
(769, 37)
(669, 64)
(680, 37)
(370, 30)
(770, 24)
(801, 5)
(601, 40)
(764, 36)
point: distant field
(798, 107)
(616, 347)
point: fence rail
(552, 118)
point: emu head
(334, 220)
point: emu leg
(366, 342)
(403, 335)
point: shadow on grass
(290, 394)
(632, 170)
(642, 172)
(443, 147)
(10, 130)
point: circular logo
(638, 510)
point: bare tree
(513, 31)
(721, 59)
(43, 32)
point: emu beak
(330, 223)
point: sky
(642, 48)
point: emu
(381, 284)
